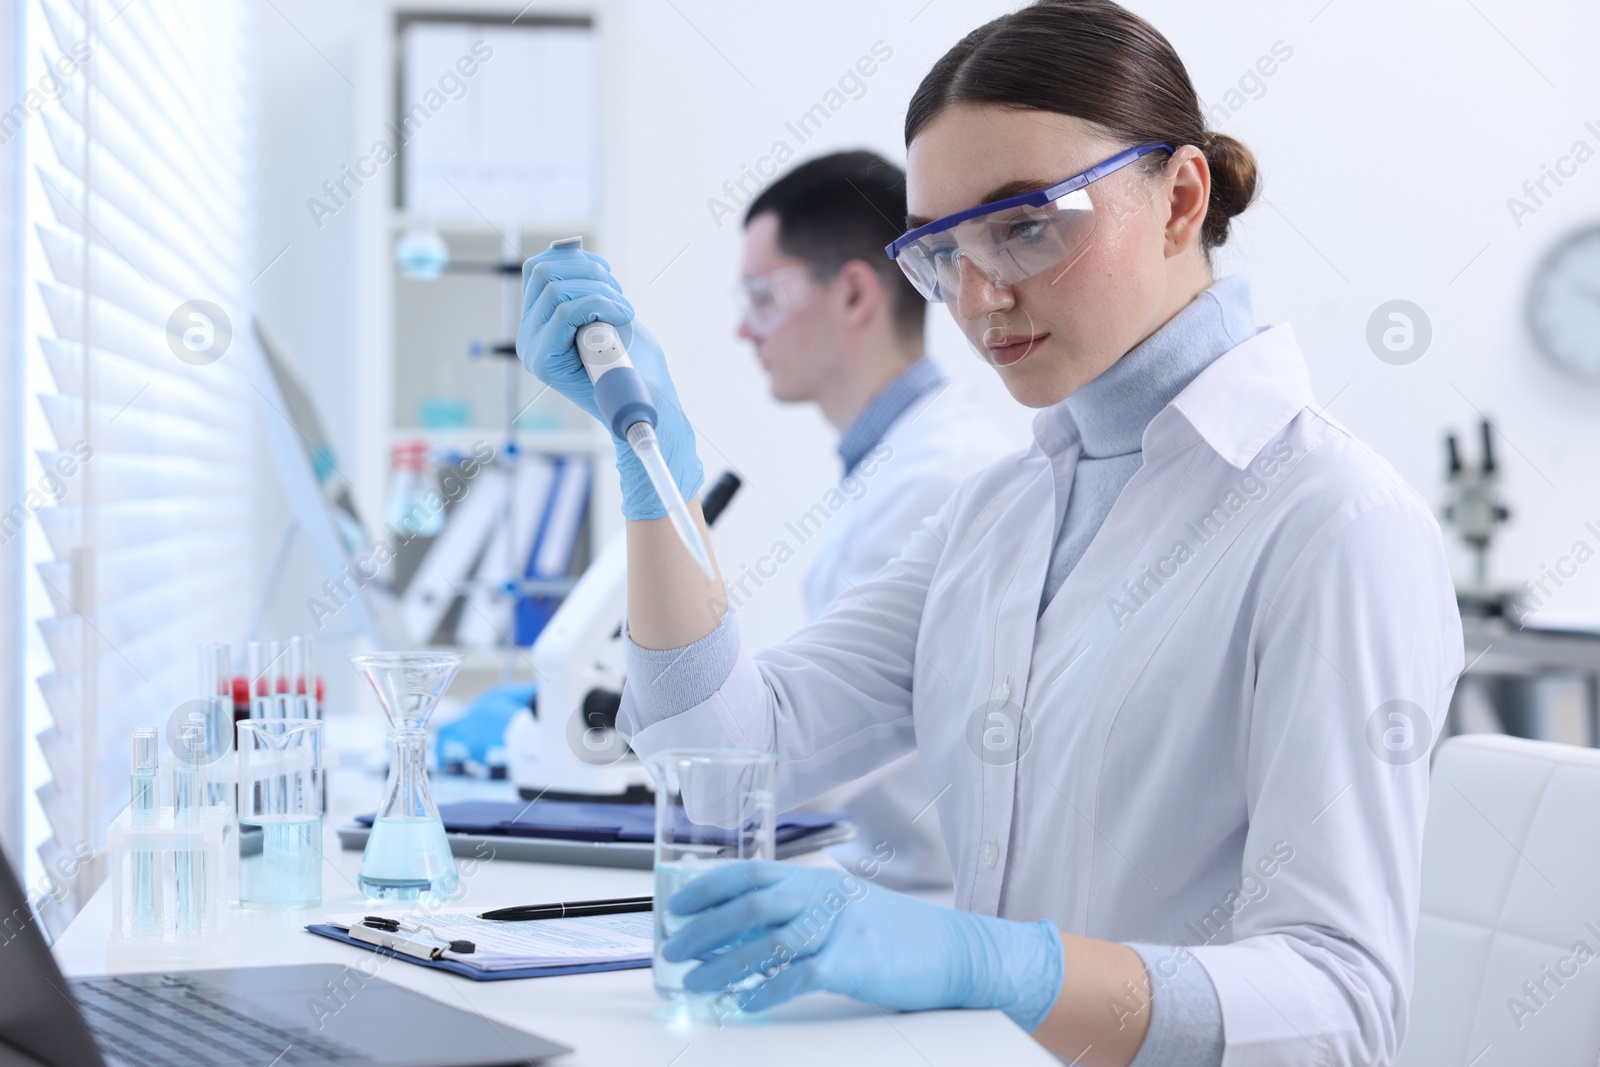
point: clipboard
(477, 975)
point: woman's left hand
(807, 928)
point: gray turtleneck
(1112, 411)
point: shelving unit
(450, 378)
(548, 442)
(436, 339)
(444, 335)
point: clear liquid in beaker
(668, 976)
(280, 861)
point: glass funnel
(408, 855)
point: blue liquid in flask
(407, 857)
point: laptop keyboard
(181, 1022)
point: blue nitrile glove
(811, 929)
(565, 288)
(483, 725)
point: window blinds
(137, 205)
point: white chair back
(1508, 945)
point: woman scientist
(1173, 672)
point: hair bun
(1097, 61)
(1234, 180)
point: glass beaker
(408, 855)
(280, 813)
(713, 806)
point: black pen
(570, 909)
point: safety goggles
(764, 302)
(1008, 240)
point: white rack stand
(160, 846)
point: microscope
(566, 747)
(1475, 510)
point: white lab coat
(1214, 755)
(927, 452)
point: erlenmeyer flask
(408, 855)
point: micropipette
(625, 403)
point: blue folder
(474, 973)
(576, 820)
(573, 476)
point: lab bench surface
(608, 1018)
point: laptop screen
(37, 1013)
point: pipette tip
(642, 437)
(698, 551)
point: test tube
(282, 685)
(188, 800)
(142, 802)
(258, 663)
(216, 689)
(303, 677)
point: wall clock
(1564, 305)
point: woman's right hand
(565, 289)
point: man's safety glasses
(765, 302)
(1009, 240)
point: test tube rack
(149, 929)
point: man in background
(835, 324)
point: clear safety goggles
(1008, 240)
(764, 302)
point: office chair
(1508, 944)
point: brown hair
(1097, 61)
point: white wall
(307, 114)
(1390, 140)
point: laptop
(259, 1016)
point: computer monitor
(320, 496)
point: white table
(1522, 659)
(609, 1018)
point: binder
(555, 544)
(589, 833)
(591, 820)
(433, 589)
(488, 612)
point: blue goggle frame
(1035, 199)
